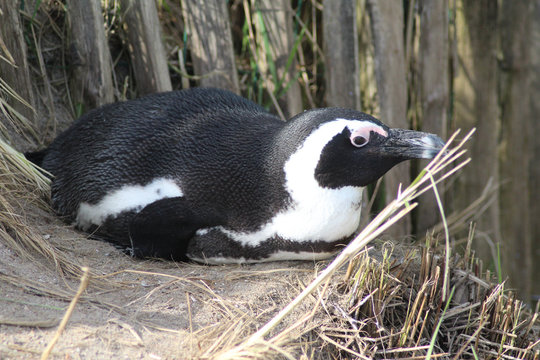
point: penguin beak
(409, 144)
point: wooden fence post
(14, 66)
(91, 81)
(145, 46)
(534, 166)
(340, 38)
(475, 105)
(433, 88)
(517, 122)
(387, 29)
(210, 43)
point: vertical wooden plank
(515, 152)
(433, 88)
(534, 165)
(210, 43)
(341, 54)
(145, 46)
(277, 18)
(14, 66)
(387, 29)
(475, 105)
(91, 81)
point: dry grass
(21, 184)
(396, 310)
(14, 119)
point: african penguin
(209, 176)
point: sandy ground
(131, 314)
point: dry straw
(82, 287)
(22, 184)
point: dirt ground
(144, 310)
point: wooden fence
(430, 65)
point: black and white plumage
(207, 175)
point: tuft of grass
(23, 184)
(15, 119)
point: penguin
(206, 175)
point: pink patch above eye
(364, 131)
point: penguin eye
(359, 141)
(361, 136)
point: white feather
(128, 197)
(277, 256)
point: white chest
(315, 213)
(326, 215)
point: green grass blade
(434, 337)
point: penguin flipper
(163, 229)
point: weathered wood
(342, 62)
(14, 65)
(475, 105)
(210, 43)
(277, 18)
(515, 157)
(91, 80)
(141, 24)
(387, 29)
(534, 165)
(433, 88)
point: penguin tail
(36, 157)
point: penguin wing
(164, 228)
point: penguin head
(351, 148)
